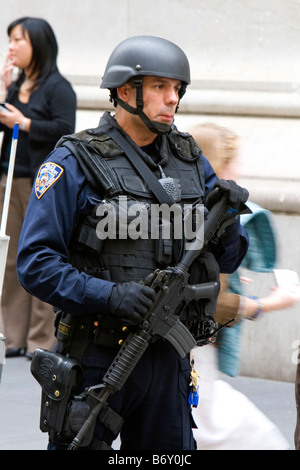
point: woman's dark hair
(43, 42)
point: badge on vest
(46, 177)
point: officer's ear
(126, 92)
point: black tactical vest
(112, 175)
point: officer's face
(161, 97)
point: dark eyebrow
(165, 80)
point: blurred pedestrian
(44, 104)
(226, 419)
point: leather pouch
(58, 377)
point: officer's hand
(131, 300)
(236, 194)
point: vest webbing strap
(138, 163)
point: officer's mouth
(166, 118)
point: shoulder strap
(138, 163)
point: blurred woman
(43, 102)
(226, 419)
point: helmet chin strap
(154, 126)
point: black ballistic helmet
(138, 56)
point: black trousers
(153, 402)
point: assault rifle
(174, 293)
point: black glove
(236, 194)
(131, 301)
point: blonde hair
(217, 143)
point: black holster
(58, 376)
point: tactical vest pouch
(58, 377)
(72, 333)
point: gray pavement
(20, 403)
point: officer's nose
(172, 96)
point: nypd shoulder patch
(46, 177)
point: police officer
(97, 281)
